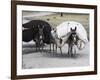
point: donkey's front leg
(42, 47)
(36, 45)
(61, 50)
(73, 50)
(69, 50)
(53, 47)
(56, 47)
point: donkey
(55, 40)
(40, 32)
(72, 42)
(39, 38)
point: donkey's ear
(75, 28)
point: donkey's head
(73, 34)
(40, 33)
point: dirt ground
(47, 59)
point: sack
(64, 28)
(80, 44)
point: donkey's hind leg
(50, 47)
(53, 48)
(36, 46)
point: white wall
(5, 32)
